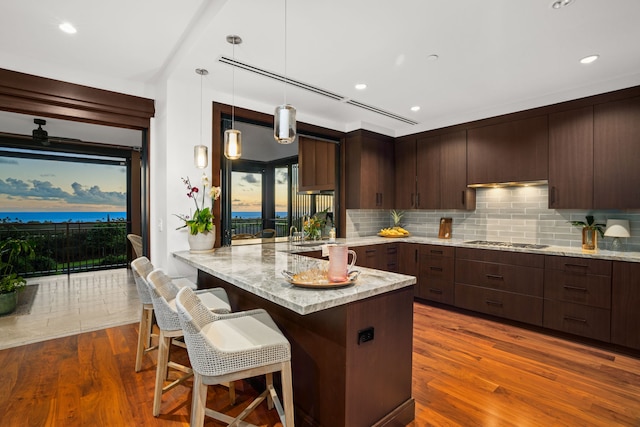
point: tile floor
(67, 305)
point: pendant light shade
(284, 118)
(232, 144)
(200, 153)
(233, 137)
(284, 129)
(200, 156)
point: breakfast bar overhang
(341, 377)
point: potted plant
(10, 281)
(590, 231)
(202, 233)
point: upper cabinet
(616, 155)
(512, 151)
(317, 163)
(571, 159)
(369, 170)
(431, 172)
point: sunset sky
(33, 185)
(247, 191)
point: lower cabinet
(500, 283)
(577, 296)
(625, 304)
(381, 257)
(435, 273)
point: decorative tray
(317, 279)
(393, 235)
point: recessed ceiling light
(415, 108)
(560, 4)
(68, 28)
(432, 57)
(589, 59)
(361, 86)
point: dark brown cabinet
(317, 165)
(369, 171)
(512, 151)
(577, 296)
(500, 283)
(625, 303)
(617, 154)
(431, 173)
(381, 257)
(408, 258)
(571, 159)
(436, 273)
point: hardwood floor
(466, 372)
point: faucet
(292, 230)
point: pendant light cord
(285, 52)
(233, 86)
(201, 112)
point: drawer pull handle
(434, 251)
(370, 251)
(575, 319)
(496, 303)
(435, 268)
(495, 277)
(575, 288)
(435, 291)
(568, 265)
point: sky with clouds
(246, 191)
(35, 185)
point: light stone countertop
(258, 269)
(550, 250)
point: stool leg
(287, 394)
(198, 401)
(269, 381)
(161, 371)
(143, 330)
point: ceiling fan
(38, 135)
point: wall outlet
(365, 335)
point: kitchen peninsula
(351, 347)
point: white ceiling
(495, 56)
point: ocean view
(26, 217)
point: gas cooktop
(507, 244)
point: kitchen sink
(309, 244)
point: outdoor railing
(68, 247)
(254, 225)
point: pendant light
(233, 137)
(200, 155)
(284, 125)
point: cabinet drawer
(523, 308)
(437, 251)
(437, 268)
(578, 288)
(501, 257)
(590, 322)
(579, 265)
(511, 278)
(435, 289)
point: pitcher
(338, 263)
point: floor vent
(311, 88)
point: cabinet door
(428, 167)
(317, 164)
(368, 256)
(405, 173)
(408, 258)
(454, 193)
(369, 171)
(508, 152)
(625, 315)
(571, 159)
(386, 174)
(616, 158)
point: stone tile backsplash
(513, 214)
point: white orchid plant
(202, 219)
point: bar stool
(163, 292)
(230, 347)
(141, 267)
